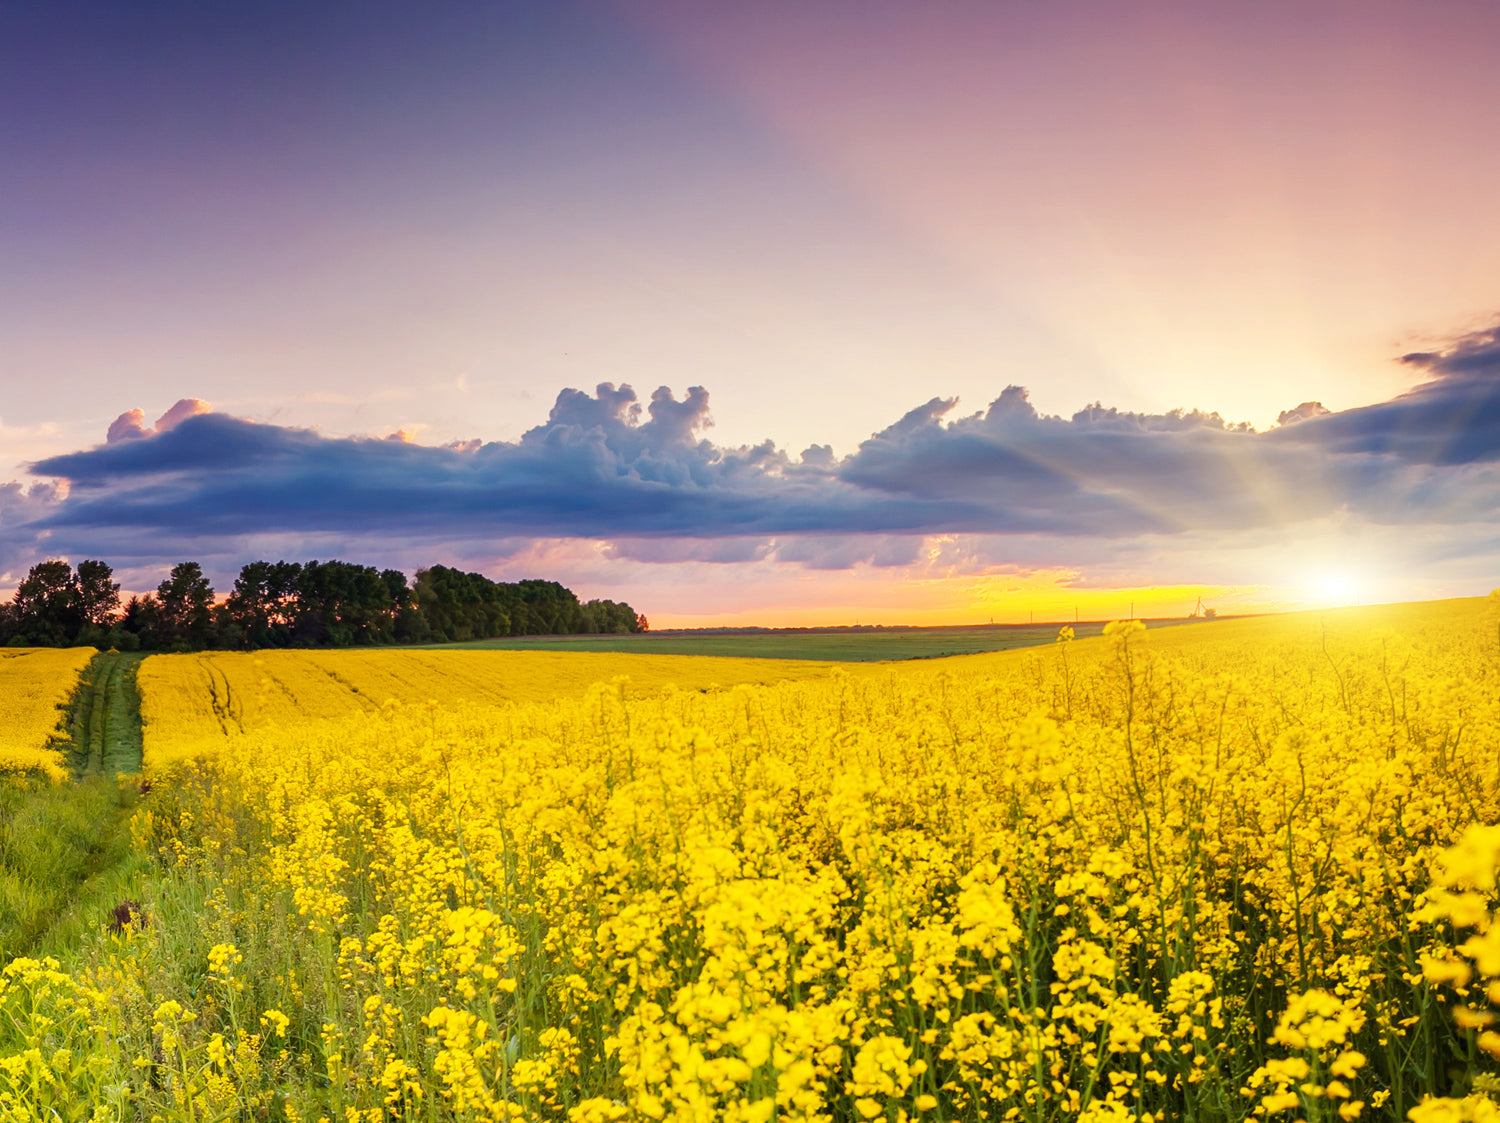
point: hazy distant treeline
(293, 604)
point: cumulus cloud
(1302, 413)
(131, 425)
(643, 477)
(1101, 472)
(180, 412)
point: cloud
(1302, 413)
(1102, 472)
(1450, 421)
(24, 442)
(130, 425)
(645, 479)
(674, 551)
(1471, 356)
(880, 551)
(22, 509)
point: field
(194, 702)
(1237, 871)
(62, 845)
(34, 684)
(848, 645)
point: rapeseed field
(194, 702)
(1240, 870)
(35, 684)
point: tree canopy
(294, 604)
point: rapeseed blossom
(1239, 871)
(35, 683)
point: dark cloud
(643, 475)
(1101, 472)
(1476, 355)
(593, 469)
(1450, 421)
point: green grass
(65, 850)
(848, 645)
(65, 861)
(105, 717)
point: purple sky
(338, 221)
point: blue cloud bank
(607, 466)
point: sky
(770, 313)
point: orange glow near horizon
(950, 586)
(956, 601)
(1041, 597)
(937, 591)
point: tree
(262, 606)
(340, 603)
(141, 622)
(98, 596)
(463, 606)
(46, 605)
(278, 604)
(184, 604)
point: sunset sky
(767, 313)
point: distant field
(845, 645)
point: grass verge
(65, 861)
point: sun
(1337, 586)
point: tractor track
(105, 729)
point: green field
(848, 645)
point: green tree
(46, 605)
(263, 605)
(184, 603)
(98, 595)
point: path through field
(106, 719)
(66, 858)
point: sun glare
(1337, 587)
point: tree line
(293, 604)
